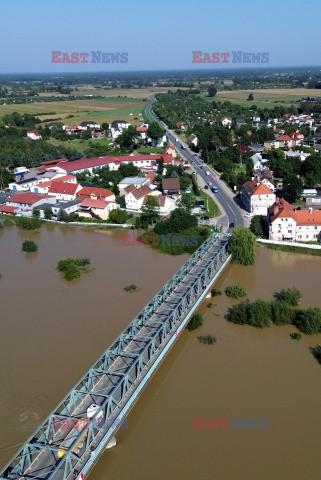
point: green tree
(291, 296)
(242, 246)
(259, 314)
(5, 178)
(256, 225)
(250, 97)
(118, 216)
(150, 211)
(309, 321)
(235, 291)
(292, 188)
(195, 322)
(282, 313)
(187, 202)
(62, 215)
(155, 132)
(47, 213)
(29, 246)
(212, 91)
(36, 213)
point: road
(232, 214)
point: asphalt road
(232, 214)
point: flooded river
(52, 331)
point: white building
(259, 163)
(34, 135)
(287, 223)
(256, 197)
(226, 122)
(136, 181)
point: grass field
(80, 145)
(267, 97)
(212, 208)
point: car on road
(215, 189)
(231, 225)
(193, 173)
(206, 187)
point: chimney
(310, 210)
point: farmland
(267, 97)
(104, 110)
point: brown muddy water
(52, 331)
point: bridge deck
(115, 381)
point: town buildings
(288, 223)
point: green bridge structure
(115, 381)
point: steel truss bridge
(117, 378)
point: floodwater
(52, 331)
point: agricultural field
(267, 97)
(103, 110)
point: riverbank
(291, 247)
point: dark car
(231, 224)
(206, 187)
(205, 217)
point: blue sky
(156, 35)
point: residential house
(301, 155)
(256, 118)
(171, 186)
(297, 138)
(239, 122)
(68, 207)
(256, 197)
(259, 162)
(165, 204)
(226, 122)
(121, 124)
(89, 124)
(134, 197)
(285, 141)
(181, 126)
(72, 129)
(24, 203)
(288, 223)
(142, 130)
(170, 150)
(99, 133)
(115, 132)
(136, 181)
(34, 135)
(96, 208)
(243, 148)
(192, 140)
(257, 148)
(266, 178)
(94, 193)
(63, 191)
